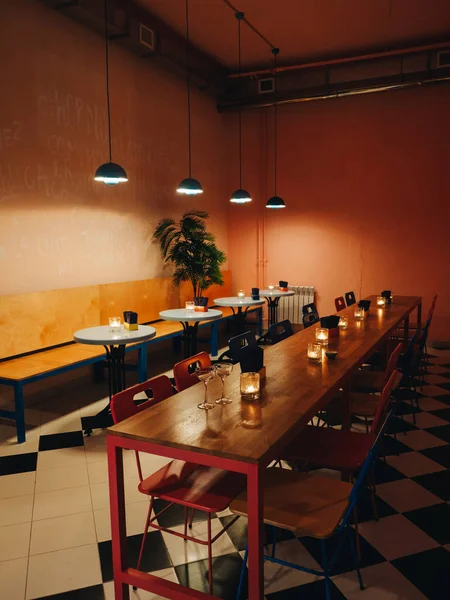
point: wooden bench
(38, 329)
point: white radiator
(291, 307)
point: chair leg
(355, 558)
(210, 573)
(191, 519)
(144, 537)
(358, 545)
(325, 570)
(186, 512)
(274, 540)
(372, 495)
(241, 578)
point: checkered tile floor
(54, 516)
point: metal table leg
(272, 304)
(190, 338)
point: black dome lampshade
(275, 201)
(189, 186)
(110, 173)
(240, 196)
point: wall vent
(147, 37)
(443, 58)
(266, 86)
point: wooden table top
(294, 390)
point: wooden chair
(179, 483)
(350, 298)
(372, 382)
(184, 371)
(339, 303)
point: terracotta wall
(58, 228)
(366, 183)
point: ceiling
(305, 30)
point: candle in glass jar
(271, 287)
(359, 313)
(322, 336)
(249, 386)
(343, 322)
(190, 306)
(315, 351)
(114, 323)
(381, 301)
(241, 294)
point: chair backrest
(237, 343)
(392, 363)
(350, 298)
(339, 303)
(310, 318)
(308, 308)
(184, 371)
(280, 331)
(407, 360)
(431, 311)
(124, 406)
(383, 405)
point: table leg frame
(124, 576)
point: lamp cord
(239, 17)
(275, 108)
(188, 86)
(107, 79)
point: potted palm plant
(192, 251)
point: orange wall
(58, 228)
(366, 182)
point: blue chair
(277, 332)
(310, 506)
(309, 308)
(310, 318)
(350, 298)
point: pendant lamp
(189, 185)
(110, 173)
(240, 196)
(275, 201)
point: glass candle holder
(322, 336)
(271, 287)
(343, 322)
(359, 313)
(250, 385)
(190, 306)
(381, 301)
(240, 294)
(115, 324)
(315, 351)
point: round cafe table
(189, 319)
(273, 298)
(238, 305)
(114, 343)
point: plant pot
(201, 301)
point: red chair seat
(188, 484)
(329, 448)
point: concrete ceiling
(306, 30)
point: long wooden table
(295, 389)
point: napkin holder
(252, 360)
(283, 286)
(130, 320)
(255, 294)
(388, 295)
(365, 304)
(331, 323)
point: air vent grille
(266, 86)
(147, 37)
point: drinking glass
(206, 375)
(222, 371)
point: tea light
(343, 322)
(322, 336)
(190, 306)
(114, 323)
(249, 386)
(241, 294)
(381, 301)
(315, 351)
(271, 287)
(359, 313)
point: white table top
(275, 293)
(192, 316)
(103, 336)
(235, 301)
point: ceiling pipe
(345, 60)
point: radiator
(291, 307)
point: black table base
(272, 304)
(190, 338)
(115, 361)
(240, 319)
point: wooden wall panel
(147, 297)
(39, 319)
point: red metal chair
(190, 485)
(350, 298)
(184, 371)
(339, 303)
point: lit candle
(314, 351)
(322, 336)
(381, 301)
(343, 322)
(249, 385)
(271, 287)
(359, 313)
(115, 324)
(190, 306)
(241, 294)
